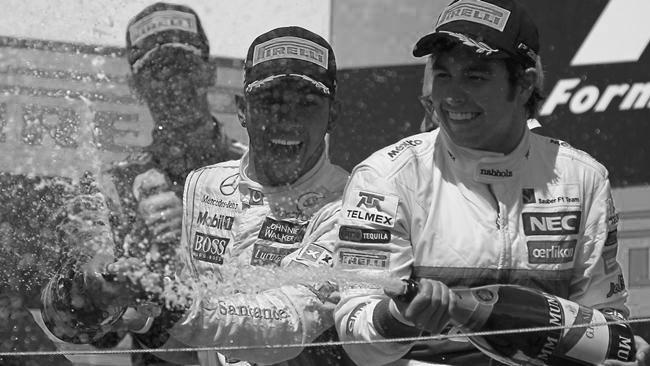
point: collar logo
(476, 11)
(291, 47)
(160, 21)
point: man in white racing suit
(270, 208)
(481, 200)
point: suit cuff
(389, 325)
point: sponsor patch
(255, 198)
(372, 207)
(217, 221)
(283, 232)
(264, 255)
(476, 11)
(528, 196)
(551, 223)
(160, 21)
(220, 203)
(309, 200)
(291, 47)
(362, 235)
(617, 287)
(553, 195)
(229, 185)
(545, 252)
(398, 148)
(354, 316)
(610, 252)
(209, 248)
(356, 259)
(495, 173)
(612, 215)
(254, 312)
(316, 254)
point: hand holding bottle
(642, 357)
(427, 309)
(159, 207)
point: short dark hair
(515, 77)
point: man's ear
(335, 110)
(528, 82)
(241, 109)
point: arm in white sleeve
(373, 237)
(598, 280)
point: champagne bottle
(580, 338)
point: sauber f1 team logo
(372, 207)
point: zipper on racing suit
(502, 228)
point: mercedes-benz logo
(229, 185)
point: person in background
(459, 206)
(168, 53)
(285, 184)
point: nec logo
(551, 223)
(369, 200)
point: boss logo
(551, 223)
(209, 248)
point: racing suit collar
(247, 173)
(486, 166)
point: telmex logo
(476, 11)
(551, 223)
(162, 20)
(291, 47)
(369, 200)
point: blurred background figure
(168, 53)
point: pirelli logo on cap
(291, 47)
(476, 11)
(161, 21)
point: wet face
(172, 83)
(475, 103)
(286, 124)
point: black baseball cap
(290, 52)
(164, 25)
(494, 28)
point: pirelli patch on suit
(363, 259)
(363, 235)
